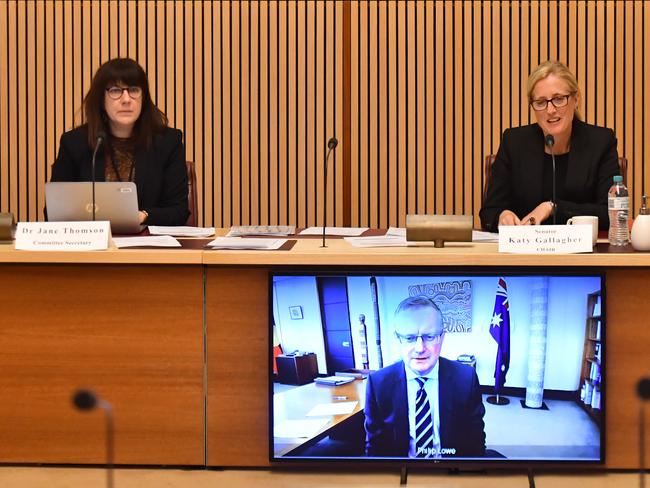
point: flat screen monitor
(437, 368)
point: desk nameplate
(63, 236)
(545, 239)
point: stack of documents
(246, 243)
(261, 230)
(181, 231)
(333, 231)
(334, 380)
(377, 241)
(146, 241)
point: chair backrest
(192, 198)
(489, 161)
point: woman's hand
(508, 217)
(142, 216)
(542, 212)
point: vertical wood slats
(254, 85)
(479, 55)
(258, 87)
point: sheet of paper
(246, 243)
(181, 231)
(379, 241)
(396, 231)
(333, 231)
(328, 409)
(481, 236)
(149, 241)
(261, 230)
(292, 429)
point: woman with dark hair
(137, 145)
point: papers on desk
(329, 409)
(396, 231)
(146, 241)
(246, 243)
(291, 429)
(481, 236)
(377, 241)
(261, 230)
(181, 231)
(334, 380)
(333, 231)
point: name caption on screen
(547, 239)
(63, 236)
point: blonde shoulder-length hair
(561, 71)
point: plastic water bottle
(618, 203)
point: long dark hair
(128, 72)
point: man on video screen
(423, 406)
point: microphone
(101, 136)
(549, 140)
(331, 145)
(86, 400)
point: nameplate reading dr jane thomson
(63, 236)
(545, 239)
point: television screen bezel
(451, 462)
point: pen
(339, 397)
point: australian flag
(500, 331)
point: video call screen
(437, 368)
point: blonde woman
(521, 188)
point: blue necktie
(423, 423)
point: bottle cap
(618, 179)
(644, 208)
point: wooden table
(174, 338)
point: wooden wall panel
(259, 86)
(477, 57)
(254, 85)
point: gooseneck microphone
(86, 400)
(331, 145)
(101, 136)
(643, 391)
(549, 140)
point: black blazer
(459, 399)
(160, 172)
(517, 174)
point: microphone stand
(549, 140)
(87, 400)
(100, 139)
(643, 391)
(331, 144)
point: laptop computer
(116, 202)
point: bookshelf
(590, 376)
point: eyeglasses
(426, 338)
(558, 102)
(115, 92)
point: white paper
(378, 241)
(181, 231)
(482, 236)
(329, 409)
(261, 230)
(333, 231)
(63, 236)
(291, 429)
(149, 241)
(246, 243)
(396, 231)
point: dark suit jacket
(517, 174)
(160, 173)
(460, 404)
